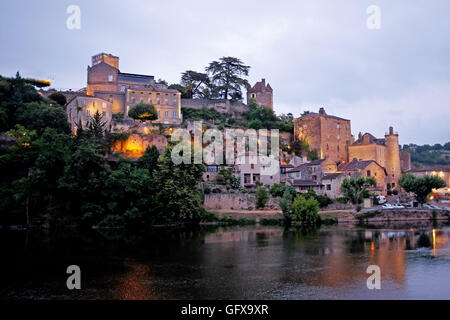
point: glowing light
(434, 238)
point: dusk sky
(313, 53)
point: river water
(256, 262)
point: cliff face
(136, 144)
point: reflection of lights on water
(434, 239)
(372, 246)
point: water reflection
(230, 263)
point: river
(256, 262)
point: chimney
(322, 111)
(391, 130)
(263, 82)
(359, 136)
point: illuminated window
(110, 78)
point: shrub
(305, 211)
(262, 196)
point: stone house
(332, 184)
(329, 135)
(82, 108)
(251, 171)
(366, 168)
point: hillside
(429, 155)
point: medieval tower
(262, 94)
(392, 158)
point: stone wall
(235, 108)
(236, 201)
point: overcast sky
(313, 53)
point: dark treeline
(50, 177)
(429, 154)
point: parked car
(398, 206)
(387, 206)
(427, 206)
(435, 207)
(446, 208)
(381, 199)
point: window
(253, 95)
(104, 105)
(150, 100)
(252, 166)
(174, 114)
(88, 112)
(175, 102)
(110, 78)
(328, 187)
(211, 169)
(166, 101)
(247, 178)
(122, 88)
(368, 173)
(393, 185)
(256, 178)
(83, 103)
(159, 114)
(158, 101)
(166, 114)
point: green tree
(305, 211)
(227, 75)
(179, 196)
(262, 196)
(194, 83)
(354, 189)
(143, 111)
(420, 186)
(149, 160)
(59, 98)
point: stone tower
(262, 93)
(392, 158)
(109, 59)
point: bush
(395, 192)
(59, 98)
(324, 200)
(305, 211)
(143, 111)
(262, 196)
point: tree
(262, 196)
(353, 189)
(305, 211)
(227, 75)
(194, 83)
(178, 196)
(143, 111)
(420, 186)
(59, 98)
(149, 160)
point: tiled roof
(356, 165)
(305, 165)
(306, 183)
(321, 113)
(331, 176)
(371, 140)
(261, 86)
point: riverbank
(345, 216)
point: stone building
(261, 93)
(332, 184)
(251, 172)
(385, 152)
(441, 171)
(82, 108)
(329, 135)
(123, 90)
(366, 168)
